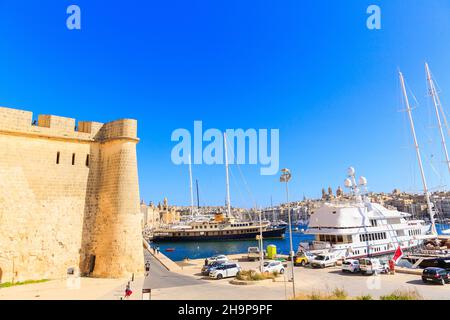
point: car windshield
(347, 263)
(320, 258)
(266, 264)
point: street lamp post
(261, 252)
(285, 177)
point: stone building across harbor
(69, 197)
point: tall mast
(419, 158)
(190, 187)
(226, 170)
(198, 197)
(436, 103)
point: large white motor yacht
(354, 227)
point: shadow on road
(421, 283)
(348, 274)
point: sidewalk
(79, 289)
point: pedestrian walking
(128, 291)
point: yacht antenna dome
(351, 171)
(362, 181)
(348, 183)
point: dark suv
(437, 275)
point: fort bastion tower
(69, 197)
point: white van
(324, 260)
(372, 265)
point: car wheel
(442, 282)
(322, 266)
(424, 280)
(303, 263)
(219, 276)
(281, 271)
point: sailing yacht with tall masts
(359, 228)
(439, 111)
(221, 226)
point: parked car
(253, 253)
(218, 258)
(226, 270)
(351, 265)
(372, 265)
(324, 260)
(303, 258)
(436, 275)
(273, 266)
(210, 267)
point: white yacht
(355, 227)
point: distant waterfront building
(442, 202)
(154, 216)
(150, 215)
(415, 204)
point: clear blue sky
(309, 68)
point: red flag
(397, 255)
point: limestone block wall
(67, 196)
(118, 233)
(61, 124)
(41, 206)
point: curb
(249, 283)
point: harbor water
(204, 249)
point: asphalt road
(160, 277)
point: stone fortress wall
(69, 198)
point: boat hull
(268, 233)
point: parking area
(309, 280)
